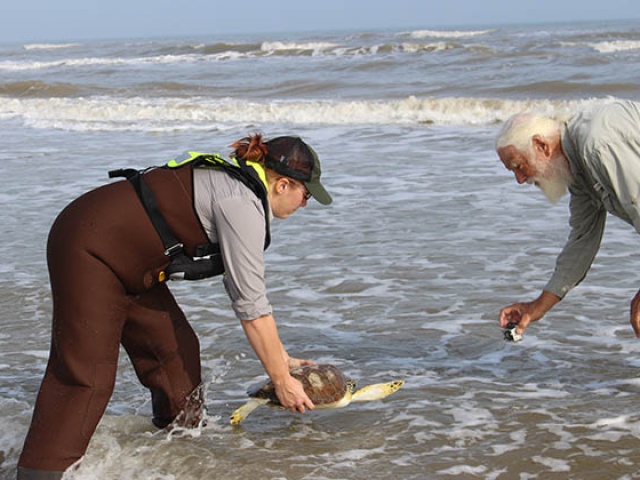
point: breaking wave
(50, 46)
(154, 114)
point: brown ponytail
(251, 148)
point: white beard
(553, 178)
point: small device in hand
(511, 332)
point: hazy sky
(61, 20)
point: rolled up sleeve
(240, 226)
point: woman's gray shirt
(233, 216)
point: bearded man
(595, 156)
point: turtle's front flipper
(243, 412)
(376, 391)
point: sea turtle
(326, 386)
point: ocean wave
(332, 48)
(226, 51)
(49, 46)
(446, 33)
(615, 46)
(103, 61)
(145, 114)
(36, 88)
(273, 47)
(608, 46)
(428, 47)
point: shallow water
(401, 278)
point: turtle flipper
(376, 391)
(243, 412)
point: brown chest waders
(105, 258)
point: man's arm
(587, 221)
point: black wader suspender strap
(171, 245)
(208, 259)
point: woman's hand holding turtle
(298, 362)
(292, 396)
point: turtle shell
(324, 384)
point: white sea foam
(428, 47)
(609, 46)
(554, 464)
(157, 114)
(313, 46)
(447, 33)
(50, 46)
(464, 469)
(615, 46)
(79, 63)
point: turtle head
(351, 386)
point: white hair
(522, 127)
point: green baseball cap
(293, 158)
